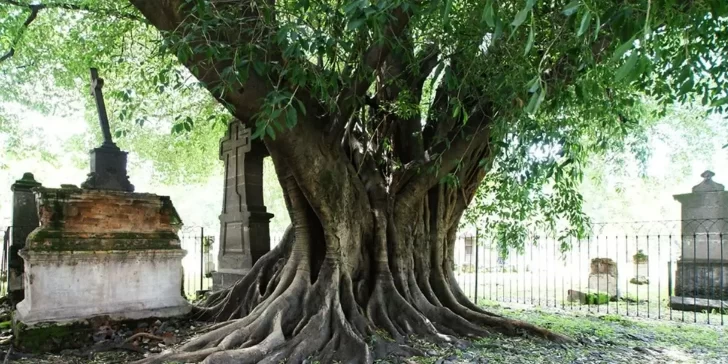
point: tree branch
(362, 77)
(77, 7)
(36, 8)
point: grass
(601, 338)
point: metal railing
(672, 270)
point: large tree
(383, 119)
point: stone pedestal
(25, 220)
(244, 221)
(702, 270)
(108, 169)
(102, 253)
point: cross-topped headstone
(96, 85)
(244, 221)
(108, 162)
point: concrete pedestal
(71, 286)
(102, 253)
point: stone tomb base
(124, 285)
(702, 279)
(102, 253)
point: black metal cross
(96, 85)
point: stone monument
(244, 221)
(603, 277)
(108, 162)
(25, 220)
(102, 250)
(701, 280)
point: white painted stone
(70, 286)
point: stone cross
(96, 85)
(108, 162)
(244, 220)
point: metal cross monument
(96, 85)
(108, 162)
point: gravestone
(108, 162)
(25, 220)
(701, 280)
(603, 276)
(101, 250)
(244, 220)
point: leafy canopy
(557, 81)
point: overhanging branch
(36, 8)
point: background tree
(382, 119)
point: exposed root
(276, 314)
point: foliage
(552, 81)
(640, 257)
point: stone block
(119, 267)
(67, 286)
(603, 266)
(604, 283)
(692, 304)
(702, 279)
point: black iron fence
(673, 270)
(199, 262)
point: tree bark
(369, 254)
(333, 283)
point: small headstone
(603, 276)
(25, 220)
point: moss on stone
(57, 240)
(50, 338)
(596, 298)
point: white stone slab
(72, 286)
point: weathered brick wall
(94, 211)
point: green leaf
(719, 102)
(301, 107)
(271, 133)
(627, 67)
(520, 17)
(355, 23)
(597, 27)
(572, 7)
(585, 21)
(531, 36)
(621, 50)
(488, 14)
(534, 84)
(446, 12)
(259, 131)
(291, 117)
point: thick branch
(363, 75)
(34, 9)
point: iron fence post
(477, 266)
(202, 258)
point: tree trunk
(335, 282)
(370, 250)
